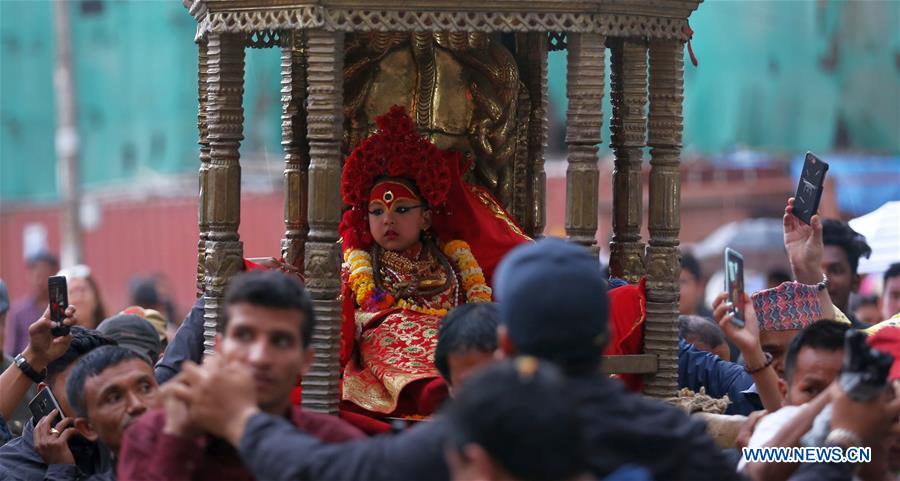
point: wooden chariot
(322, 116)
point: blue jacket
(20, 462)
(698, 369)
(187, 345)
(5, 435)
(620, 429)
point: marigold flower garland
(473, 281)
(362, 282)
(371, 299)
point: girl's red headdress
(396, 150)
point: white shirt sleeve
(768, 427)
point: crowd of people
(495, 365)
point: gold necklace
(398, 262)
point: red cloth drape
(474, 215)
(627, 313)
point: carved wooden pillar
(202, 127)
(628, 95)
(532, 53)
(321, 386)
(584, 88)
(222, 201)
(661, 332)
(296, 147)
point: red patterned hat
(789, 306)
(396, 150)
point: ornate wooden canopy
(662, 19)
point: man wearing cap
(539, 285)
(28, 309)
(813, 252)
(773, 319)
(133, 332)
(553, 305)
(22, 414)
(155, 318)
(749, 387)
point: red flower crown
(396, 150)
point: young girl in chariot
(417, 242)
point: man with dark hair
(813, 360)
(42, 452)
(704, 334)
(148, 294)
(143, 292)
(24, 311)
(824, 255)
(843, 249)
(890, 297)
(812, 363)
(109, 388)
(267, 327)
(553, 305)
(867, 311)
(691, 287)
(512, 422)
(466, 342)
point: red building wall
(159, 235)
(140, 237)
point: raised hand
(804, 245)
(220, 395)
(43, 348)
(745, 338)
(178, 420)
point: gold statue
(462, 90)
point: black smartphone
(43, 403)
(734, 285)
(59, 302)
(809, 189)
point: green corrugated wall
(782, 76)
(787, 76)
(136, 79)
